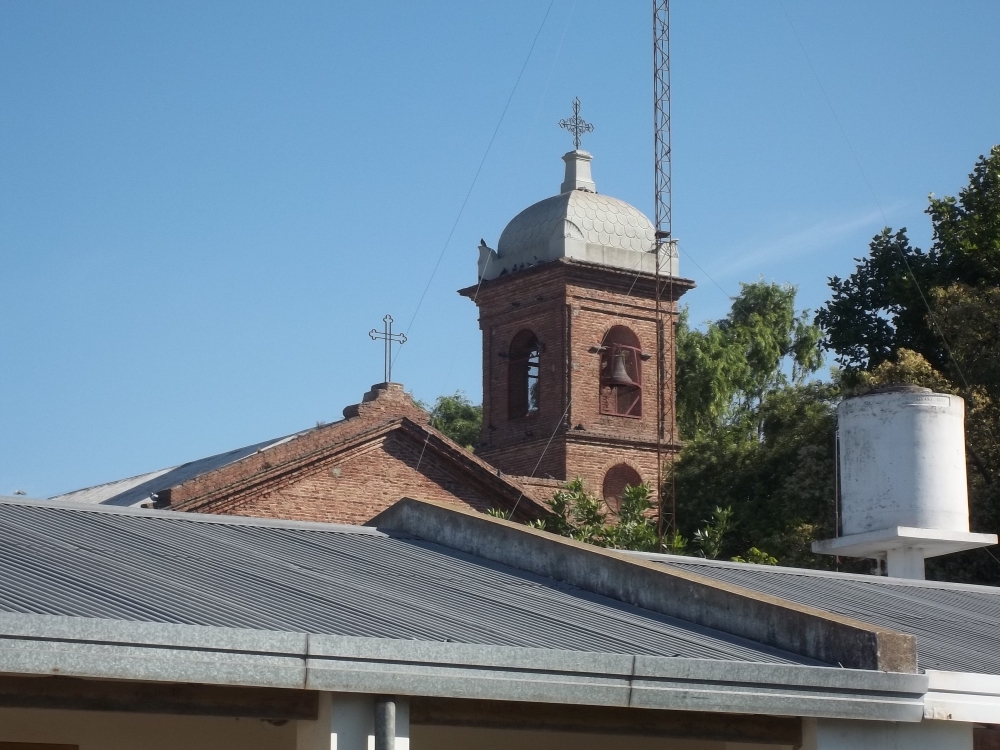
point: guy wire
(479, 170)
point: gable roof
(219, 491)
(956, 624)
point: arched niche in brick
(523, 389)
(621, 373)
(617, 478)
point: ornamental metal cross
(388, 336)
(576, 124)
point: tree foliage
(760, 438)
(779, 481)
(710, 538)
(458, 418)
(883, 306)
(725, 371)
(577, 514)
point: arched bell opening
(621, 373)
(523, 370)
(616, 480)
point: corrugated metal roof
(161, 566)
(139, 489)
(957, 626)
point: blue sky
(205, 206)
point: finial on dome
(577, 161)
(576, 124)
(578, 172)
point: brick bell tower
(567, 307)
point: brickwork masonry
(350, 471)
(570, 306)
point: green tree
(724, 371)
(579, 515)
(883, 306)
(779, 481)
(635, 526)
(758, 455)
(458, 418)
(878, 309)
(711, 536)
(757, 557)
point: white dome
(595, 219)
(578, 224)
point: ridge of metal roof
(812, 572)
(136, 489)
(228, 520)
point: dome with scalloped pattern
(578, 224)
(596, 219)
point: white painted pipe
(385, 723)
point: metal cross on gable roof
(388, 336)
(576, 124)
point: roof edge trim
(141, 651)
(669, 559)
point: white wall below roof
(350, 715)
(347, 722)
(100, 730)
(841, 734)
(963, 696)
(462, 738)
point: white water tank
(902, 461)
(903, 492)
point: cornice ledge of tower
(637, 284)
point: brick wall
(350, 471)
(515, 445)
(354, 487)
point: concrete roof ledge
(800, 629)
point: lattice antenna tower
(666, 497)
(661, 117)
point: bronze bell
(619, 375)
